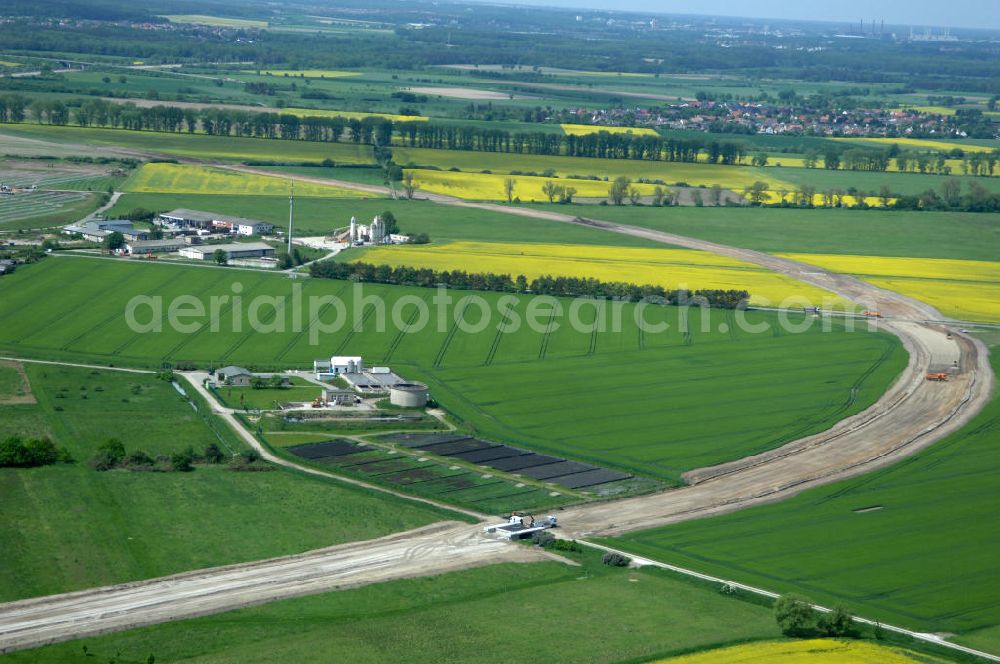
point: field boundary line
(74, 364)
(643, 561)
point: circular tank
(408, 395)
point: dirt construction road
(913, 414)
(433, 549)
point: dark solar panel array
(421, 439)
(558, 469)
(570, 474)
(490, 454)
(455, 446)
(515, 464)
(590, 478)
(321, 450)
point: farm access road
(913, 414)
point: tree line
(544, 285)
(379, 132)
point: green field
(570, 614)
(558, 387)
(68, 527)
(441, 222)
(267, 398)
(867, 233)
(11, 383)
(198, 146)
(914, 544)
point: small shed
(338, 396)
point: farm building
(337, 365)
(237, 376)
(184, 218)
(153, 246)
(96, 231)
(136, 234)
(338, 396)
(237, 250)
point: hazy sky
(955, 13)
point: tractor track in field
(910, 416)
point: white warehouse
(206, 252)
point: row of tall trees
(380, 131)
(930, 162)
(544, 285)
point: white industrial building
(338, 365)
(233, 251)
(373, 233)
(185, 219)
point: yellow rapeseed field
(694, 174)
(307, 73)
(963, 289)
(774, 197)
(185, 179)
(798, 162)
(812, 651)
(583, 130)
(937, 110)
(358, 115)
(490, 186)
(920, 143)
(671, 268)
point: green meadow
(197, 146)
(597, 390)
(955, 235)
(67, 527)
(586, 613)
(912, 544)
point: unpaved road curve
(435, 549)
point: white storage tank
(408, 395)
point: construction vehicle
(517, 527)
(871, 313)
(318, 402)
(937, 377)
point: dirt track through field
(912, 414)
(438, 548)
